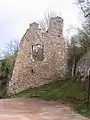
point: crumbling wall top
(34, 25)
(56, 21)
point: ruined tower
(41, 57)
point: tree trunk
(74, 68)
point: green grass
(45, 91)
(70, 91)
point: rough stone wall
(84, 65)
(30, 73)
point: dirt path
(33, 109)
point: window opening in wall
(38, 52)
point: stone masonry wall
(30, 73)
(84, 65)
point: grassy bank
(70, 91)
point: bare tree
(85, 7)
(11, 49)
(44, 23)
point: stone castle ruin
(42, 56)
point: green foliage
(3, 88)
(9, 55)
(6, 67)
(81, 41)
(80, 44)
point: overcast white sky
(16, 15)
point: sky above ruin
(16, 15)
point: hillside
(71, 92)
